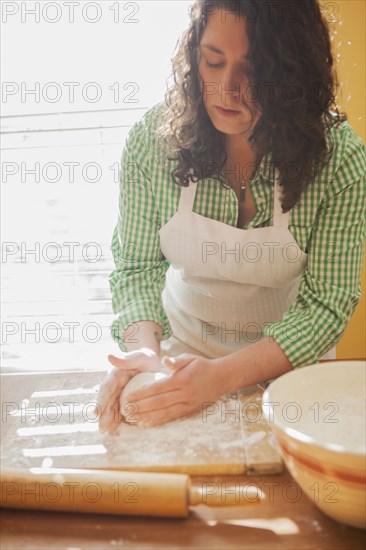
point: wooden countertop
(285, 519)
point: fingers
(156, 396)
(162, 393)
(116, 361)
(136, 360)
(128, 365)
(147, 399)
(146, 352)
(111, 416)
(108, 399)
(120, 362)
(111, 386)
(179, 362)
(162, 416)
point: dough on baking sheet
(139, 381)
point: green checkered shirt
(328, 224)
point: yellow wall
(348, 31)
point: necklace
(242, 191)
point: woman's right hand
(132, 362)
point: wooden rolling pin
(116, 492)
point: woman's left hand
(195, 381)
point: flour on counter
(217, 440)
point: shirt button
(259, 201)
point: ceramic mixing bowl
(318, 416)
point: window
(74, 80)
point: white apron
(224, 284)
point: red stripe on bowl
(317, 467)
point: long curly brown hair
(289, 47)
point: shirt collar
(266, 167)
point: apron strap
(187, 197)
(280, 219)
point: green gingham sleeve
(330, 286)
(139, 276)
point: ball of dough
(139, 381)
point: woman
(240, 239)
